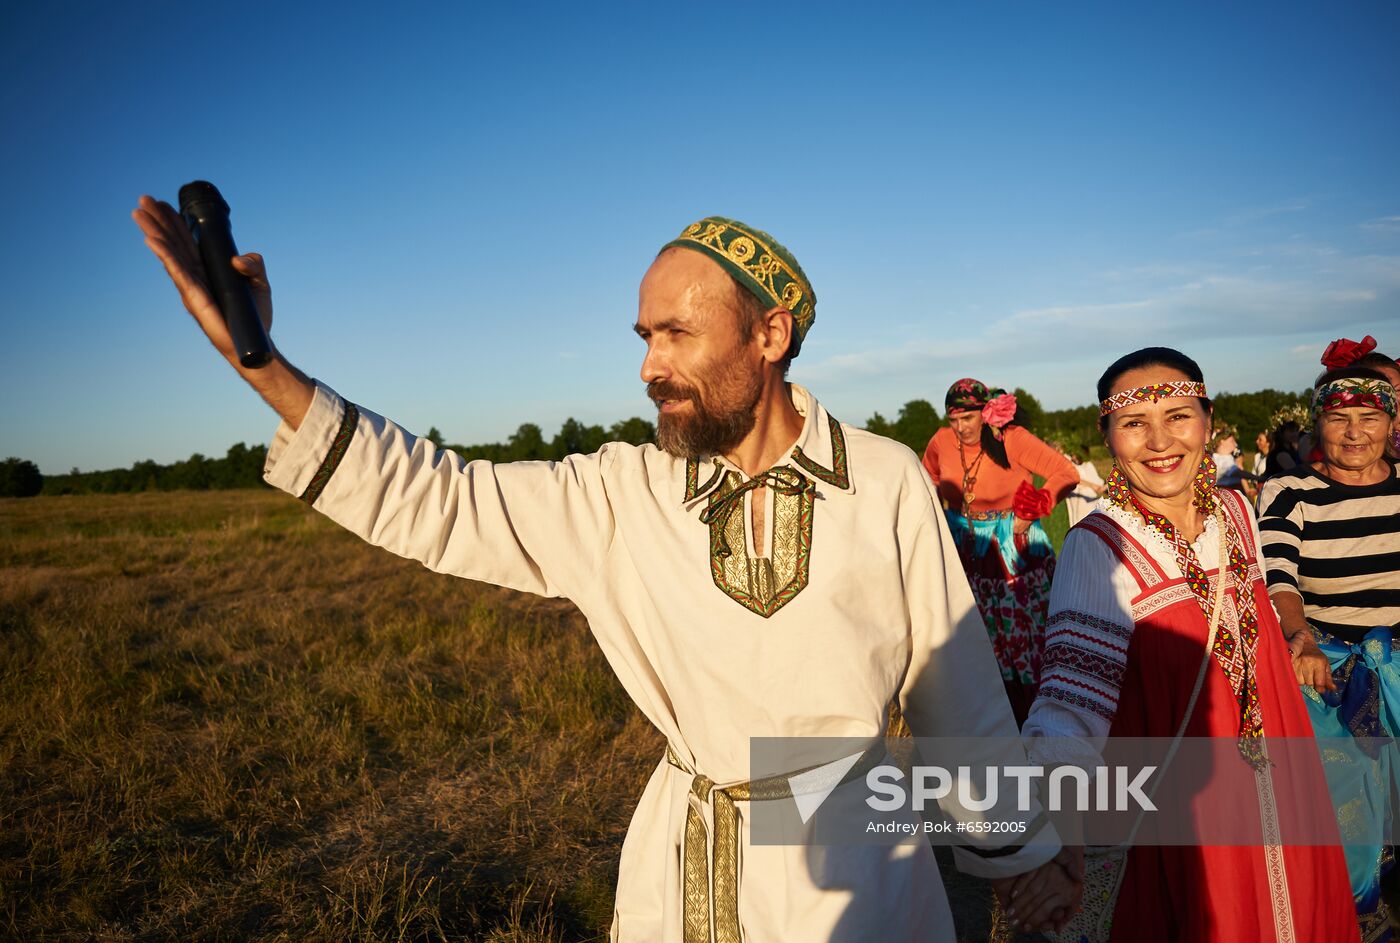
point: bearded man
(763, 571)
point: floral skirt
(1010, 576)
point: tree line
(1075, 428)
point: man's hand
(169, 238)
(1045, 898)
(285, 388)
(1309, 664)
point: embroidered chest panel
(764, 584)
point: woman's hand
(1309, 663)
(1045, 898)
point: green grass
(222, 718)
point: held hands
(1309, 664)
(1020, 525)
(169, 238)
(1046, 897)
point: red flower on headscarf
(1343, 353)
(999, 411)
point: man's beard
(715, 428)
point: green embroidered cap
(758, 262)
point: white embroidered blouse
(1091, 611)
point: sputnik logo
(810, 788)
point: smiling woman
(1332, 540)
(1160, 626)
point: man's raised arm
(540, 527)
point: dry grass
(221, 718)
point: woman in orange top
(982, 463)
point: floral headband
(1151, 394)
(1347, 392)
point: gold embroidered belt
(711, 884)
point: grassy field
(221, 718)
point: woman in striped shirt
(1331, 540)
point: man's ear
(775, 334)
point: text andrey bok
(1112, 787)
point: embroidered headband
(1347, 392)
(1151, 394)
(759, 263)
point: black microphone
(206, 214)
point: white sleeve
(539, 527)
(1086, 650)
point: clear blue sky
(457, 202)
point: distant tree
(880, 426)
(917, 422)
(434, 437)
(1250, 413)
(634, 431)
(20, 478)
(527, 444)
(1031, 413)
(575, 438)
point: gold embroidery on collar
(693, 489)
(839, 474)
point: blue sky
(457, 202)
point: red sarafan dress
(1267, 890)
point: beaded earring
(1116, 487)
(1204, 486)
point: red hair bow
(1343, 353)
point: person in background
(982, 463)
(1331, 534)
(1081, 500)
(1261, 454)
(1283, 449)
(1225, 451)
(1250, 481)
(1167, 563)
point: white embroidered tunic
(857, 599)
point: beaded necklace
(969, 477)
(1237, 654)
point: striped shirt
(1337, 545)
